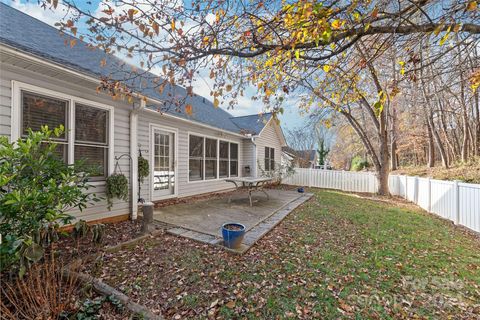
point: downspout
(254, 166)
(134, 155)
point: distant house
(45, 82)
(300, 158)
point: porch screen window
(269, 159)
(233, 160)
(87, 134)
(39, 110)
(196, 153)
(223, 162)
(91, 139)
(210, 158)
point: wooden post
(456, 202)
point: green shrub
(358, 164)
(36, 190)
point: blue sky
(290, 119)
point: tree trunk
(431, 146)
(384, 170)
(438, 140)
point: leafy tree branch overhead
(178, 39)
(351, 57)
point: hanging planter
(143, 168)
(116, 187)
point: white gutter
(134, 155)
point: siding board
(121, 128)
(268, 138)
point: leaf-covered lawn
(337, 256)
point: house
(300, 158)
(43, 81)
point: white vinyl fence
(453, 200)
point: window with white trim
(210, 158)
(196, 158)
(233, 160)
(224, 159)
(86, 135)
(269, 159)
(38, 111)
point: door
(163, 173)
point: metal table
(249, 184)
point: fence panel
(423, 193)
(443, 199)
(469, 205)
(458, 202)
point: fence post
(310, 177)
(343, 180)
(456, 202)
(406, 187)
(429, 194)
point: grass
(337, 256)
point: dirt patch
(68, 248)
(469, 172)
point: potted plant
(116, 187)
(233, 234)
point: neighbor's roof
(304, 154)
(25, 33)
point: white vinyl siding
(269, 137)
(67, 86)
(248, 158)
(184, 186)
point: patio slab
(202, 220)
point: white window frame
(16, 119)
(152, 127)
(269, 158)
(218, 139)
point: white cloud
(49, 16)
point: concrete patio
(202, 220)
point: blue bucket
(301, 189)
(233, 238)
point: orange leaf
(189, 109)
(472, 6)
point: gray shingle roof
(252, 124)
(304, 154)
(30, 35)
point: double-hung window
(87, 136)
(39, 110)
(211, 158)
(269, 159)
(196, 158)
(233, 160)
(91, 139)
(224, 159)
